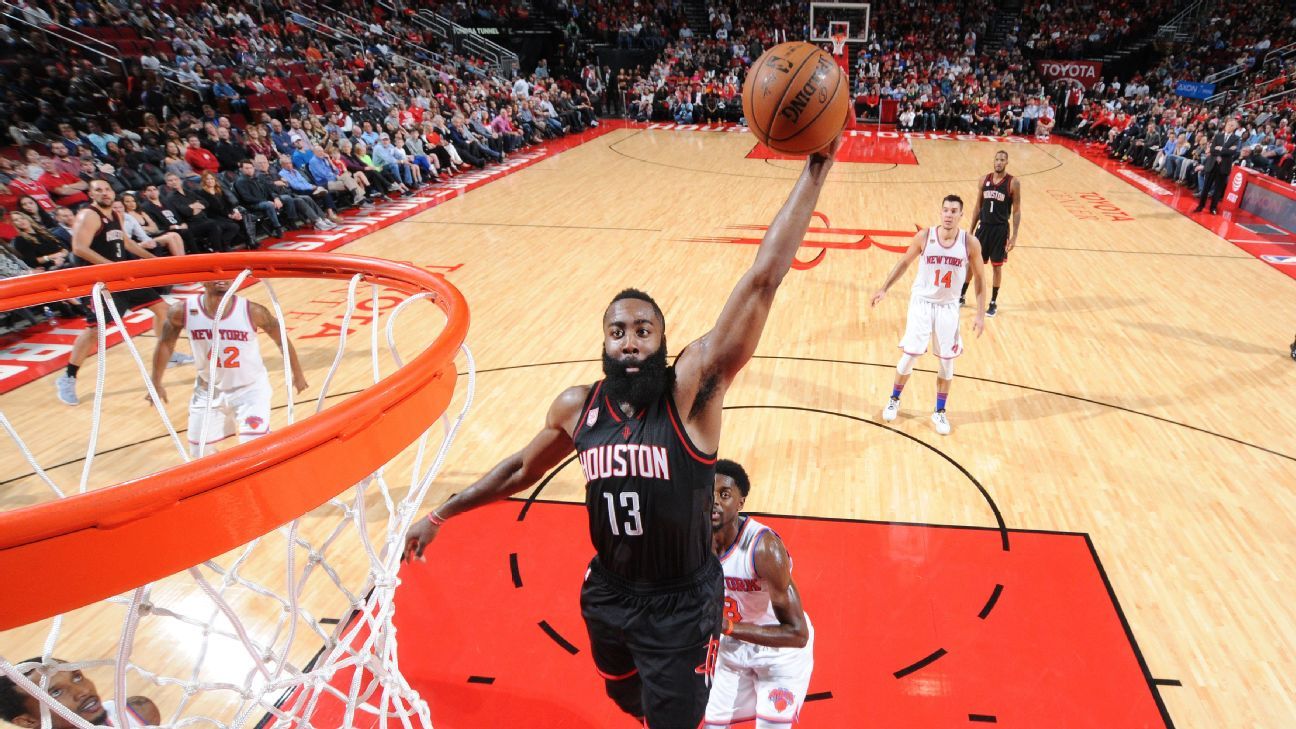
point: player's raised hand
(978, 324)
(881, 294)
(417, 539)
(823, 159)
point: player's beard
(642, 388)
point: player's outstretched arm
(265, 321)
(775, 567)
(513, 474)
(720, 353)
(171, 327)
(978, 277)
(915, 247)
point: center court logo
(824, 237)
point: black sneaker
(1293, 350)
(992, 309)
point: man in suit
(1219, 162)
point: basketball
(796, 98)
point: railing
(1238, 69)
(59, 30)
(105, 52)
(502, 60)
(13, 13)
(1172, 27)
(395, 40)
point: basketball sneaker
(67, 390)
(1293, 350)
(941, 422)
(179, 358)
(892, 409)
(992, 309)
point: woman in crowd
(27, 204)
(138, 223)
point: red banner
(1085, 73)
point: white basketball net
(216, 624)
(838, 31)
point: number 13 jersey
(234, 338)
(648, 490)
(941, 270)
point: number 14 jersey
(941, 270)
(648, 490)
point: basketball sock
(72, 370)
(940, 400)
(895, 392)
(994, 294)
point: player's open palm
(417, 539)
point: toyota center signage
(1085, 73)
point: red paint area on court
(1052, 652)
(861, 149)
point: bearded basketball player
(647, 436)
(98, 237)
(998, 201)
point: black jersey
(648, 490)
(996, 201)
(108, 241)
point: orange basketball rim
(74, 551)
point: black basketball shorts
(125, 300)
(994, 243)
(664, 636)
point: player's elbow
(800, 635)
(763, 280)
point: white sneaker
(892, 410)
(67, 390)
(942, 422)
(179, 358)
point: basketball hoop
(94, 545)
(838, 32)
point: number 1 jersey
(648, 490)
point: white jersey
(132, 719)
(745, 590)
(238, 360)
(941, 270)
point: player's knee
(627, 693)
(906, 364)
(946, 369)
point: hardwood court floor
(1134, 386)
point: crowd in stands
(1144, 122)
(228, 123)
(282, 129)
(1082, 29)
